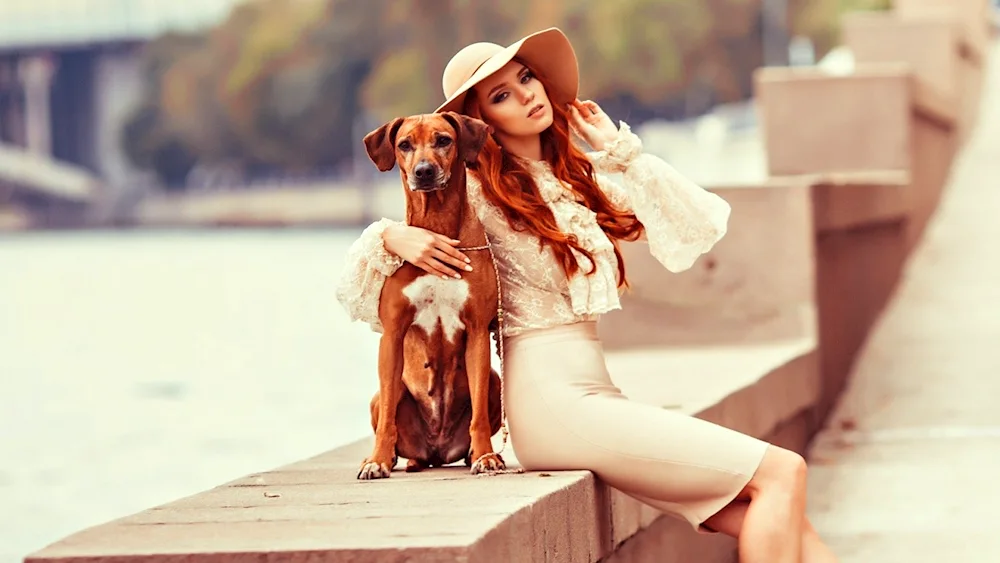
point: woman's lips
(535, 110)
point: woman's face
(514, 102)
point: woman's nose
(527, 95)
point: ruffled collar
(550, 188)
(592, 294)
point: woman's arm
(367, 266)
(682, 220)
(381, 250)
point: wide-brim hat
(547, 52)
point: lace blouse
(682, 222)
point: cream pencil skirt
(565, 413)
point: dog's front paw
(373, 469)
(489, 463)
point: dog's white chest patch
(438, 301)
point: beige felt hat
(547, 52)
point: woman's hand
(429, 251)
(592, 125)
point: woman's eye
(526, 77)
(499, 97)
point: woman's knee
(782, 470)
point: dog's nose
(424, 171)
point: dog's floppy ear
(381, 144)
(472, 135)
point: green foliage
(867, 5)
(276, 85)
(150, 138)
(280, 83)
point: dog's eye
(442, 142)
(405, 146)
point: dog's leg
(390, 383)
(412, 436)
(477, 363)
(373, 408)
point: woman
(554, 219)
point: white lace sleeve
(367, 266)
(682, 220)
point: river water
(140, 367)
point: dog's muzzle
(427, 177)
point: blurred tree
(149, 145)
(855, 5)
(290, 89)
(275, 86)
(424, 35)
(149, 138)
(666, 58)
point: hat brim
(548, 52)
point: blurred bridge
(69, 75)
(39, 190)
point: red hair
(508, 185)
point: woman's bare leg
(813, 548)
(729, 520)
(772, 526)
(769, 519)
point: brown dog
(438, 398)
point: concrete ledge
(973, 16)
(864, 123)
(933, 44)
(973, 19)
(754, 286)
(881, 118)
(315, 509)
(862, 243)
(934, 105)
(935, 140)
(854, 200)
(855, 122)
